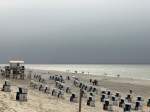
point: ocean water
(129, 71)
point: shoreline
(109, 76)
(113, 83)
(141, 74)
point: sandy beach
(41, 102)
(75, 56)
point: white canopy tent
(16, 62)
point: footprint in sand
(3, 106)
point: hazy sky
(75, 31)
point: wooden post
(80, 99)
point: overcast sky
(75, 31)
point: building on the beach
(15, 69)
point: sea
(135, 71)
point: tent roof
(21, 62)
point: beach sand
(41, 102)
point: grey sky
(75, 31)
